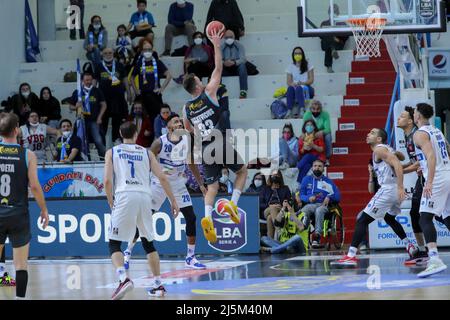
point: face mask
(88, 88)
(138, 113)
(198, 41)
(26, 94)
(66, 134)
(148, 55)
(317, 173)
(224, 179)
(181, 2)
(34, 125)
(315, 114)
(108, 60)
(298, 57)
(258, 183)
(286, 136)
(309, 129)
(229, 41)
(97, 26)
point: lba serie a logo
(230, 236)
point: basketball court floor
(379, 275)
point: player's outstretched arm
(216, 76)
(187, 124)
(422, 141)
(392, 160)
(156, 170)
(35, 187)
(108, 178)
(156, 147)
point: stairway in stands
(366, 106)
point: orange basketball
(216, 26)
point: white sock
(121, 273)
(208, 210)
(191, 250)
(352, 251)
(130, 246)
(157, 281)
(236, 195)
(433, 253)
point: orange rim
(375, 23)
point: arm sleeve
(326, 122)
(242, 58)
(336, 197)
(189, 12)
(161, 68)
(101, 96)
(279, 224)
(158, 127)
(300, 146)
(238, 16)
(151, 20)
(304, 195)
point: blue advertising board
(79, 227)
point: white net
(367, 33)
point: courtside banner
(80, 228)
(381, 236)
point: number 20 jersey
(131, 168)
(439, 144)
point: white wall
(12, 52)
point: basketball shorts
(384, 201)
(439, 203)
(131, 210)
(16, 228)
(179, 191)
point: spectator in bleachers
(288, 148)
(33, 136)
(96, 40)
(331, 44)
(49, 108)
(310, 148)
(143, 123)
(73, 34)
(234, 61)
(317, 192)
(22, 103)
(160, 123)
(149, 70)
(180, 22)
(226, 181)
(258, 183)
(142, 22)
(322, 120)
(123, 48)
(113, 82)
(292, 231)
(300, 77)
(272, 198)
(92, 107)
(68, 145)
(199, 58)
(227, 12)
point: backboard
(403, 16)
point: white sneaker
(330, 70)
(435, 265)
(193, 263)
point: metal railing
(390, 121)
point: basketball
(216, 26)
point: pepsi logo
(439, 61)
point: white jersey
(385, 173)
(131, 168)
(172, 157)
(33, 139)
(439, 144)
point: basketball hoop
(367, 33)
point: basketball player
(33, 136)
(386, 202)
(18, 171)
(202, 115)
(5, 279)
(127, 172)
(432, 154)
(406, 123)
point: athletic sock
(433, 253)
(130, 246)
(21, 283)
(157, 281)
(121, 273)
(191, 250)
(2, 269)
(208, 210)
(352, 251)
(236, 195)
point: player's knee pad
(364, 219)
(191, 219)
(447, 222)
(114, 246)
(148, 246)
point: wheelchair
(333, 228)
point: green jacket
(290, 229)
(322, 121)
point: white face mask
(223, 179)
(97, 26)
(34, 125)
(198, 41)
(26, 94)
(66, 134)
(148, 55)
(229, 41)
(88, 88)
(181, 1)
(108, 60)
(258, 183)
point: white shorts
(439, 203)
(384, 201)
(179, 191)
(131, 210)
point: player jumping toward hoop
(202, 115)
(127, 174)
(386, 202)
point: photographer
(292, 229)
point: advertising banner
(439, 63)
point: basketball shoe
(7, 281)
(193, 263)
(226, 206)
(345, 261)
(419, 258)
(123, 289)
(157, 290)
(208, 229)
(434, 265)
